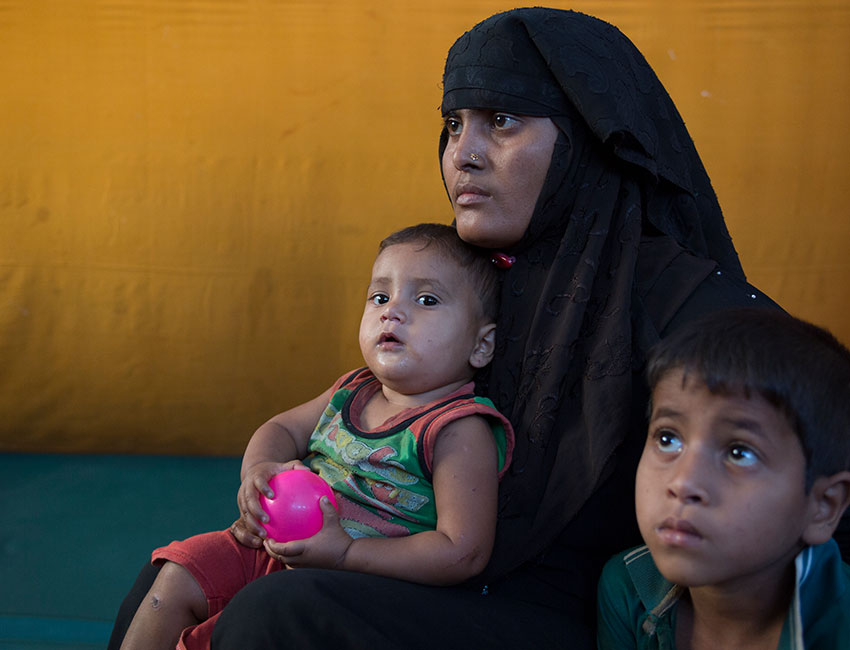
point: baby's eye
(379, 298)
(427, 300)
(742, 456)
(453, 125)
(668, 442)
(504, 121)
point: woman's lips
(468, 194)
(678, 532)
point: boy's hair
(474, 260)
(799, 368)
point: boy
(741, 484)
(413, 456)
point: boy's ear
(482, 353)
(829, 496)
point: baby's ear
(482, 353)
(829, 496)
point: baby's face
(720, 490)
(422, 320)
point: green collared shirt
(637, 606)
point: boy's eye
(668, 442)
(742, 456)
(379, 298)
(453, 125)
(427, 301)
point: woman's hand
(324, 550)
(248, 529)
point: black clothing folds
(626, 204)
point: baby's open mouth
(387, 337)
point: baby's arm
(465, 477)
(276, 446)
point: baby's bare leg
(175, 601)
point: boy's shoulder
(636, 604)
(636, 601)
(633, 593)
(822, 597)
(634, 571)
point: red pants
(221, 566)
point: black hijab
(626, 200)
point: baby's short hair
(799, 368)
(474, 260)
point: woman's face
(494, 165)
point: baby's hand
(245, 535)
(324, 550)
(248, 529)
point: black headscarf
(626, 199)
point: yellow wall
(191, 192)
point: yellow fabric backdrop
(191, 192)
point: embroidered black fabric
(625, 198)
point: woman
(562, 151)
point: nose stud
(474, 157)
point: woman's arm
(465, 477)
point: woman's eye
(668, 442)
(427, 301)
(379, 298)
(742, 456)
(453, 125)
(503, 121)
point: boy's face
(720, 489)
(422, 322)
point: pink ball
(294, 511)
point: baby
(413, 455)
